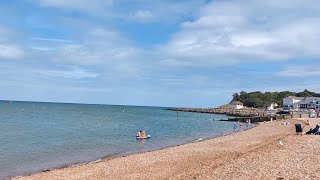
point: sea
(37, 136)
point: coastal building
(236, 105)
(292, 103)
(301, 103)
(310, 103)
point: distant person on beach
(314, 131)
(139, 134)
(308, 123)
(240, 126)
(235, 126)
(247, 123)
(285, 123)
(318, 132)
(143, 134)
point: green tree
(259, 99)
(236, 97)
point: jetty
(242, 115)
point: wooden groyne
(242, 115)
(229, 112)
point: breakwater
(230, 112)
(242, 115)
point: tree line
(259, 99)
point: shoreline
(123, 155)
(268, 151)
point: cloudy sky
(159, 53)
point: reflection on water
(141, 143)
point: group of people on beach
(141, 134)
(238, 125)
(315, 131)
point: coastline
(252, 154)
(123, 155)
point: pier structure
(242, 115)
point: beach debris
(96, 161)
(280, 142)
(200, 139)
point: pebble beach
(268, 151)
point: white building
(292, 102)
(310, 103)
(236, 105)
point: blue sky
(160, 53)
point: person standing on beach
(308, 123)
(235, 126)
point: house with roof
(297, 103)
(310, 103)
(236, 105)
(292, 103)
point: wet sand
(253, 154)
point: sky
(187, 53)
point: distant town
(267, 106)
(306, 100)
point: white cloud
(224, 32)
(51, 40)
(106, 50)
(5, 34)
(164, 12)
(73, 73)
(143, 16)
(42, 48)
(228, 32)
(221, 33)
(10, 51)
(46, 44)
(8, 44)
(97, 46)
(93, 53)
(186, 81)
(89, 6)
(218, 21)
(174, 62)
(101, 34)
(300, 71)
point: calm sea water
(39, 136)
